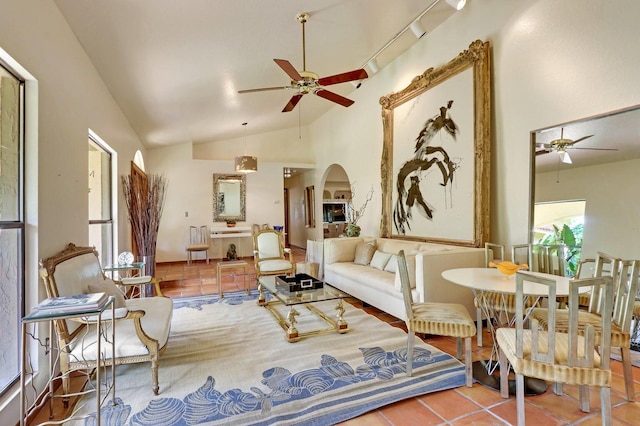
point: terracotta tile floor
(462, 406)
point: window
(561, 223)
(11, 225)
(101, 223)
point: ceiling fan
(562, 145)
(308, 82)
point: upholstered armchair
(270, 257)
(142, 325)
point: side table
(41, 316)
(232, 264)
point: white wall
(611, 211)
(190, 189)
(71, 99)
(553, 62)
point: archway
(336, 193)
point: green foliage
(570, 237)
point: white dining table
(483, 281)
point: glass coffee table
(306, 299)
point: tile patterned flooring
(477, 405)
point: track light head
(457, 4)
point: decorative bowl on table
(508, 268)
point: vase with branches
(352, 214)
(144, 197)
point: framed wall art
(436, 151)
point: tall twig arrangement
(352, 214)
(144, 197)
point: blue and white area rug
(227, 362)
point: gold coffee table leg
(292, 331)
(343, 327)
(262, 300)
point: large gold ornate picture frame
(435, 166)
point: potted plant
(353, 215)
(230, 223)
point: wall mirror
(594, 160)
(229, 197)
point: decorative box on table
(299, 282)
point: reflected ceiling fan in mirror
(562, 145)
(308, 82)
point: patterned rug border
(344, 389)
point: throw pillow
(109, 287)
(392, 264)
(380, 259)
(411, 268)
(364, 252)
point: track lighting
(457, 4)
(373, 65)
(417, 30)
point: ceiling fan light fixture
(564, 157)
(417, 30)
(246, 163)
(457, 4)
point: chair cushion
(443, 319)
(364, 252)
(274, 265)
(506, 338)
(198, 247)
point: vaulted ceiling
(175, 67)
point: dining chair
(559, 357)
(497, 303)
(198, 242)
(270, 257)
(624, 274)
(442, 319)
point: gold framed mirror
(229, 197)
(435, 157)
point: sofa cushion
(380, 259)
(392, 264)
(364, 252)
(411, 268)
(340, 250)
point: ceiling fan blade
(289, 69)
(264, 89)
(581, 139)
(542, 151)
(334, 97)
(343, 78)
(292, 102)
(594, 149)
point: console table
(231, 232)
(223, 233)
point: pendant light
(246, 163)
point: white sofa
(377, 287)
